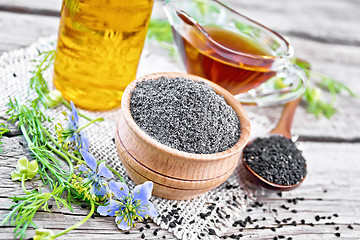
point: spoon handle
(284, 125)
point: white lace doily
(190, 219)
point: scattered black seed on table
(14, 75)
(276, 159)
(83, 205)
(141, 229)
(127, 232)
(211, 231)
(147, 226)
(143, 236)
(317, 218)
(172, 225)
(337, 234)
(281, 236)
(273, 229)
(336, 215)
(350, 227)
(50, 206)
(294, 211)
(185, 115)
(337, 228)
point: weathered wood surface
(327, 33)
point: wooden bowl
(176, 174)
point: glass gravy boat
(239, 54)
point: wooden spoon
(283, 128)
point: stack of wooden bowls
(176, 175)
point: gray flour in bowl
(186, 115)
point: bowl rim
(229, 98)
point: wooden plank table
(325, 32)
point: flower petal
(119, 220)
(119, 189)
(82, 168)
(84, 142)
(74, 114)
(99, 189)
(109, 209)
(147, 208)
(104, 171)
(89, 159)
(16, 176)
(143, 191)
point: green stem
(113, 170)
(71, 167)
(89, 123)
(79, 223)
(67, 104)
(23, 184)
(116, 173)
(57, 144)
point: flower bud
(53, 98)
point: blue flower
(129, 207)
(72, 135)
(99, 186)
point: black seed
(277, 221)
(264, 218)
(289, 201)
(83, 205)
(302, 221)
(127, 232)
(337, 234)
(275, 238)
(284, 207)
(280, 226)
(337, 228)
(281, 236)
(350, 227)
(293, 223)
(164, 237)
(274, 210)
(317, 218)
(185, 115)
(143, 236)
(249, 210)
(202, 234)
(14, 75)
(113, 139)
(301, 199)
(273, 229)
(227, 216)
(192, 222)
(211, 231)
(329, 217)
(172, 225)
(257, 227)
(290, 238)
(93, 216)
(155, 233)
(141, 229)
(319, 199)
(147, 226)
(279, 194)
(50, 206)
(336, 215)
(311, 224)
(241, 229)
(325, 191)
(293, 211)
(276, 159)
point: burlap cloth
(215, 210)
